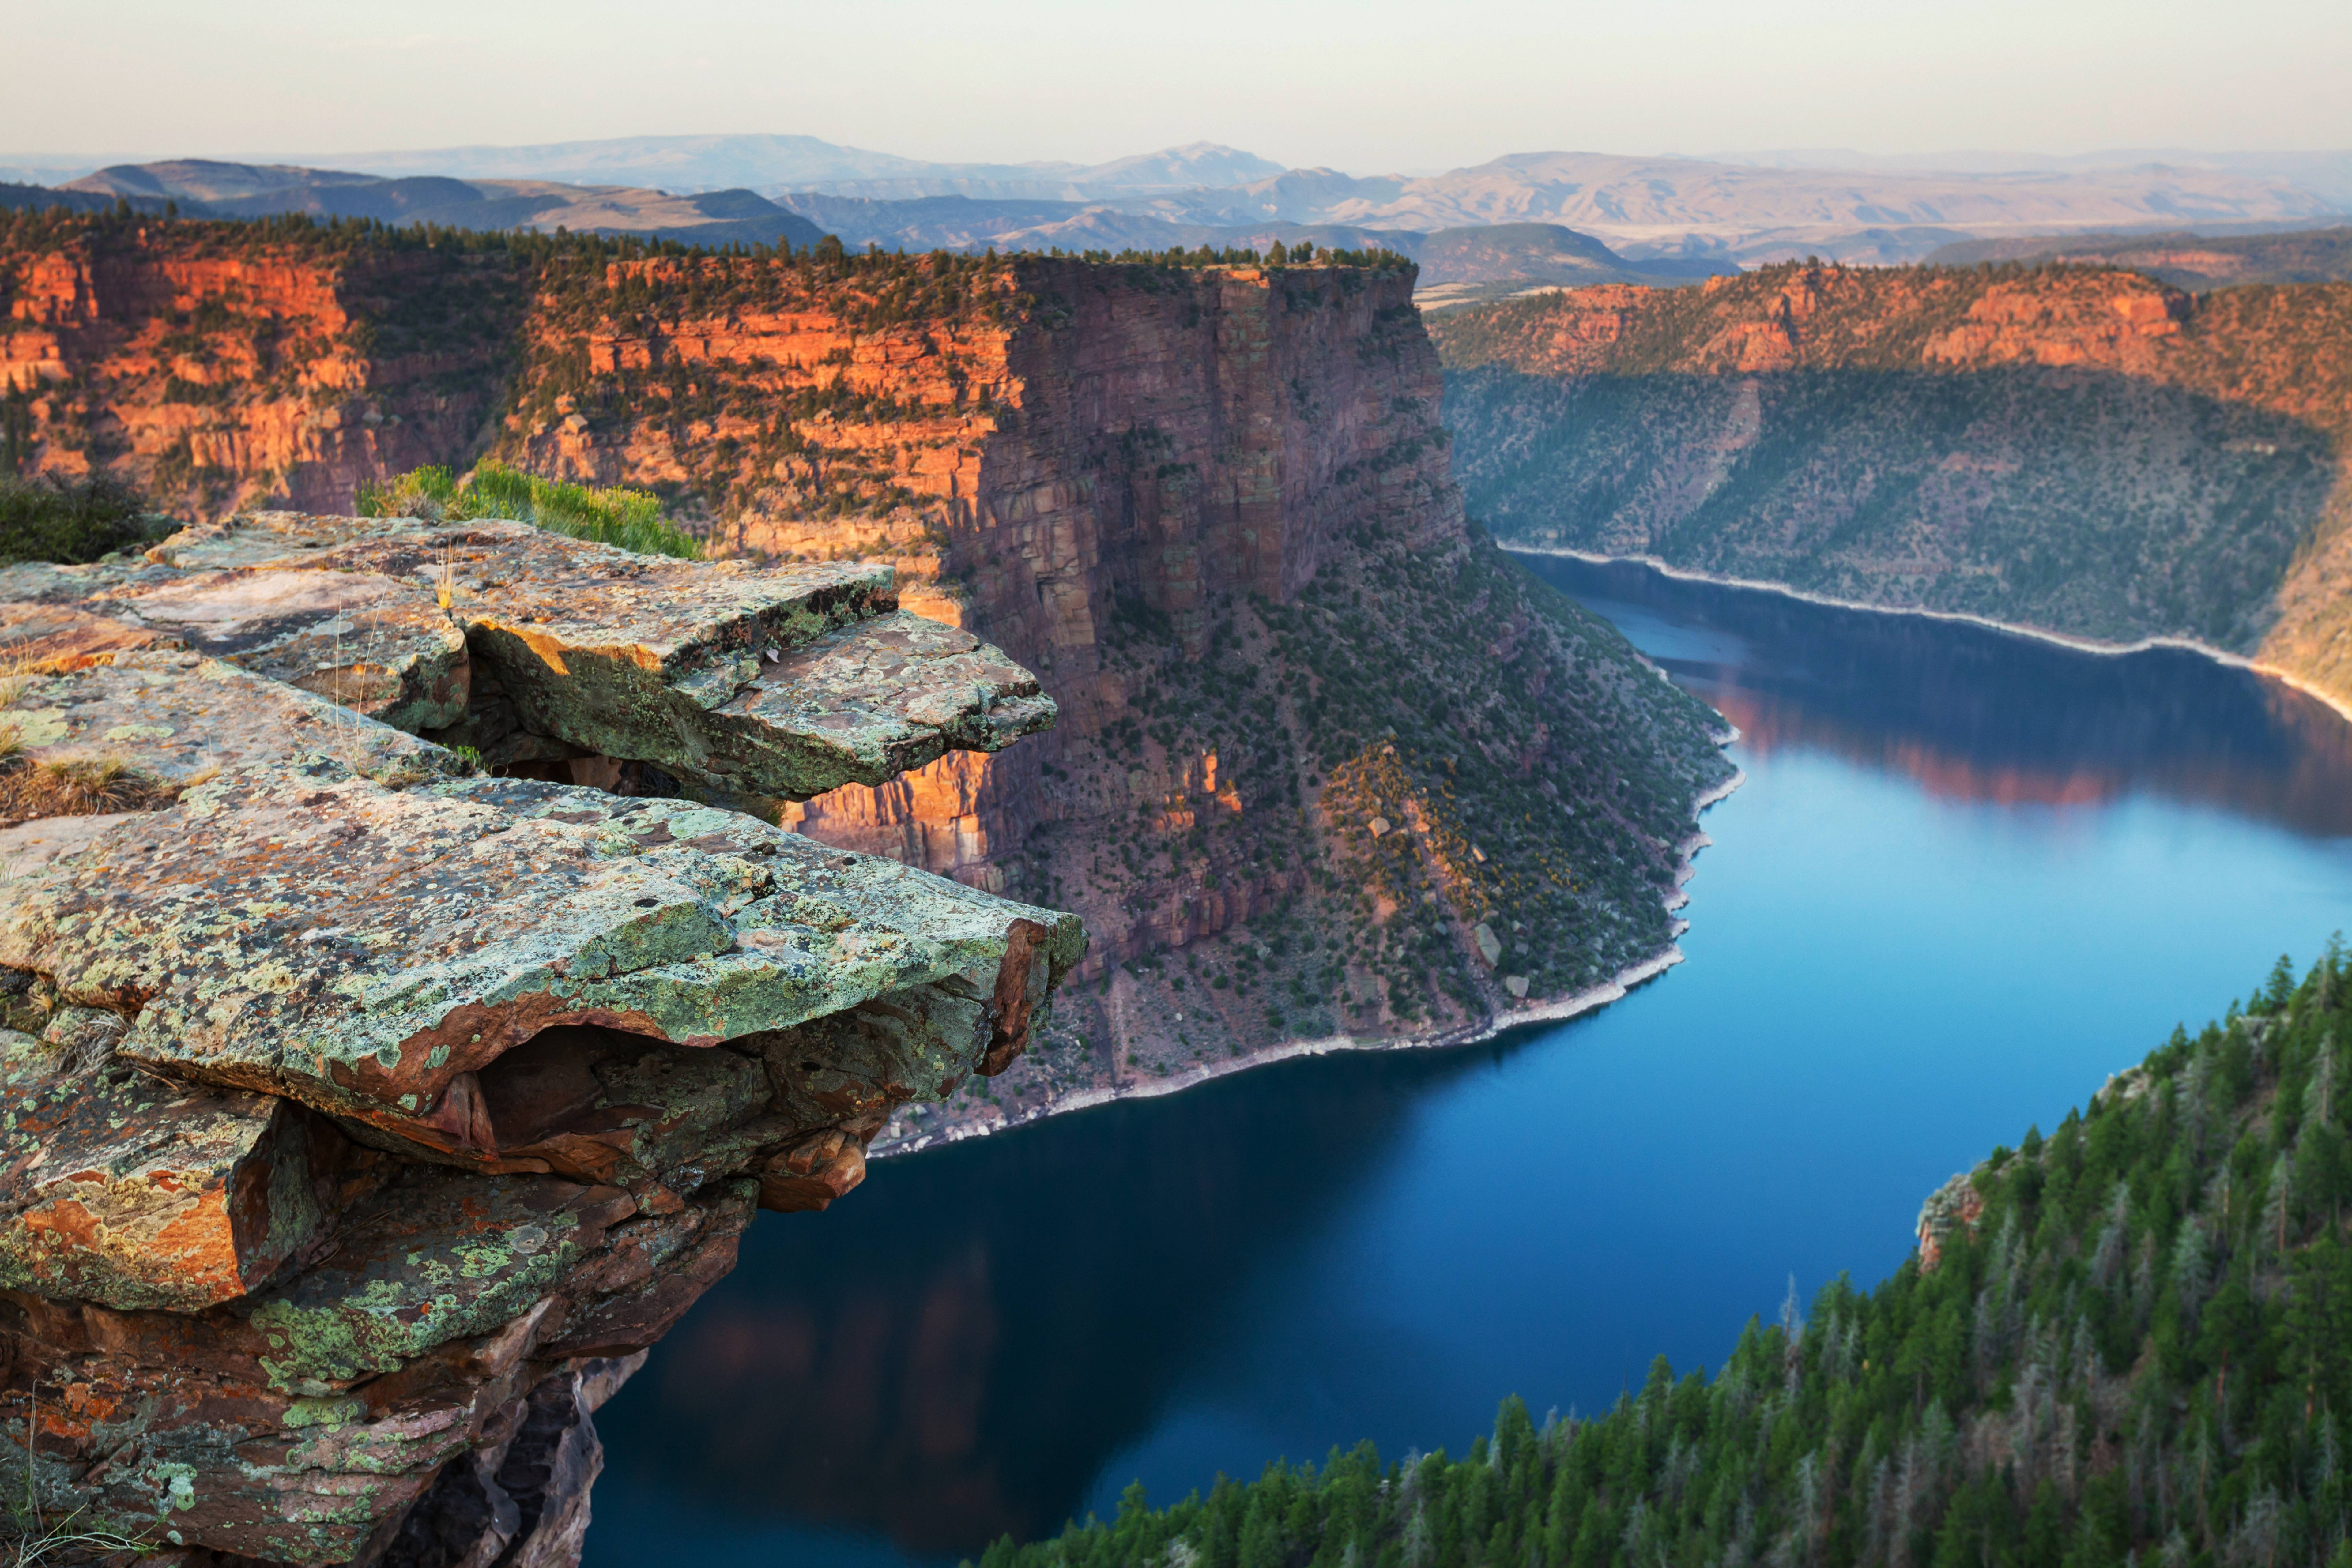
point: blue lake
(1969, 875)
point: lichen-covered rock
(353, 1103)
(308, 931)
(774, 683)
(137, 1192)
(371, 645)
(866, 702)
(179, 716)
(63, 637)
(379, 647)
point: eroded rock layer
(363, 1114)
(1211, 507)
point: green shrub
(630, 519)
(74, 521)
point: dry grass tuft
(74, 787)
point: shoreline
(1522, 1015)
(2342, 705)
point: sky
(1368, 85)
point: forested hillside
(2129, 1341)
(2184, 260)
(2077, 449)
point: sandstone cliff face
(219, 367)
(1211, 508)
(1314, 733)
(2077, 449)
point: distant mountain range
(1655, 215)
(1474, 263)
(210, 188)
(2327, 176)
(777, 163)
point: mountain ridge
(214, 189)
(1745, 209)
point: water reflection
(1970, 876)
(952, 1354)
(1978, 714)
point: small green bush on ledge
(631, 519)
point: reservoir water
(1969, 875)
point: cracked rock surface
(778, 683)
(364, 1118)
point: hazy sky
(1368, 86)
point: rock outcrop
(1209, 505)
(365, 1114)
(2078, 449)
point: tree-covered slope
(2130, 1342)
(2078, 449)
(2184, 260)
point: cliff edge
(1329, 769)
(366, 1116)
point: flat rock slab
(250, 538)
(373, 645)
(302, 928)
(36, 636)
(384, 647)
(119, 1188)
(866, 702)
(762, 680)
(179, 716)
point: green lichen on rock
(179, 717)
(139, 1193)
(352, 1101)
(306, 931)
(440, 1255)
(780, 683)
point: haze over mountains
(203, 187)
(1661, 218)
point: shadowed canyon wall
(1327, 763)
(2080, 449)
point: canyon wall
(1327, 763)
(1315, 737)
(224, 365)
(2080, 449)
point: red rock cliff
(1326, 763)
(219, 367)
(2080, 449)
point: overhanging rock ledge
(363, 1116)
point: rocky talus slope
(1328, 766)
(367, 1115)
(2077, 449)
